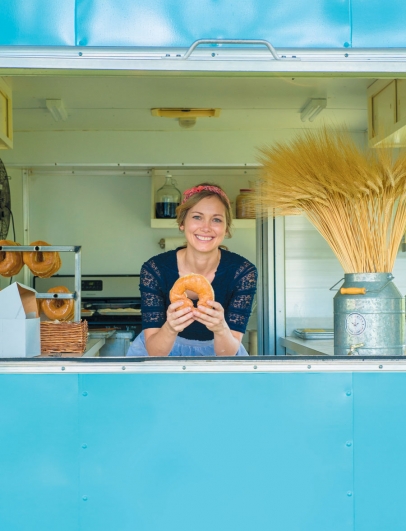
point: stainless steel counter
(262, 364)
(308, 347)
(93, 347)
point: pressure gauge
(355, 324)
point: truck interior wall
(110, 215)
(311, 269)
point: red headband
(196, 189)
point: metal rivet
(348, 443)
(346, 55)
(255, 366)
(84, 498)
(349, 493)
(348, 393)
(309, 366)
(381, 366)
(84, 446)
(80, 53)
(62, 368)
(184, 367)
(123, 368)
(84, 393)
(213, 54)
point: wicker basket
(63, 337)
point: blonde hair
(184, 208)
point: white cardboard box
(19, 322)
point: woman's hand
(178, 320)
(212, 318)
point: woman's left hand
(212, 318)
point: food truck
(101, 101)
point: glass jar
(167, 198)
(244, 205)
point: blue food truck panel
(177, 452)
(37, 23)
(320, 23)
(379, 451)
(378, 24)
(38, 452)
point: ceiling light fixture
(313, 108)
(186, 117)
(57, 109)
(187, 123)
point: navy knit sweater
(234, 288)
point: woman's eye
(217, 220)
(196, 217)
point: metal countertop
(309, 347)
(260, 364)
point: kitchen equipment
(369, 316)
(243, 207)
(5, 202)
(314, 333)
(108, 302)
(167, 199)
(118, 344)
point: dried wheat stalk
(356, 199)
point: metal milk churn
(369, 316)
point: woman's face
(205, 224)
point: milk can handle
(361, 291)
(353, 291)
(332, 287)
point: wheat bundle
(356, 199)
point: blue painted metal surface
(176, 452)
(320, 23)
(379, 451)
(181, 22)
(378, 23)
(37, 23)
(38, 453)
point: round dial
(355, 324)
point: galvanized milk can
(369, 316)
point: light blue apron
(182, 347)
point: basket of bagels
(59, 333)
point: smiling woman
(215, 329)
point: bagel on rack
(58, 309)
(192, 282)
(44, 264)
(10, 262)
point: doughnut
(43, 264)
(58, 309)
(192, 282)
(10, 262)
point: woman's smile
(204, 238)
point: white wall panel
(311, 269)
(109, 216)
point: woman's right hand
(178, 320)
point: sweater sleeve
(152, 297)
(239, 309)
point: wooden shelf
(232, 180)
(164, 224)
(171, 224)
